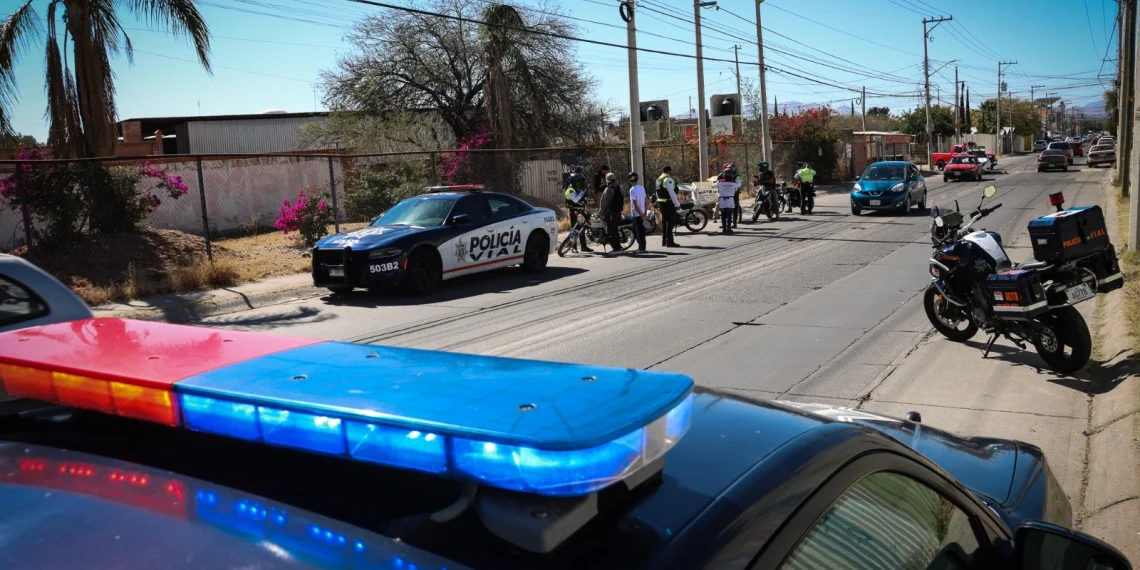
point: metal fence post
(24, 213)
(205, 215)
(332, 189)
(437, 169)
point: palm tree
(81, 100)
(499, 40)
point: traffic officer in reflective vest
(667, 204)
(576, 198)
(806, 176)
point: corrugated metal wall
(281, 134)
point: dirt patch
(130, 266)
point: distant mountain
(1094, 109)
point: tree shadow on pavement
(296, 316)
(498, 281)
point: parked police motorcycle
(974, 285)
(595, 230)
(768, 202)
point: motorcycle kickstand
(990, 344)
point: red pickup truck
(941, 159)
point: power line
(1088, 19)
(223, 67)
(844, 32)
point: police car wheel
(537, 253)
(424, 272)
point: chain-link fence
(105, 221)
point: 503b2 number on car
(383, 267)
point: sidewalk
(1111, 506)
(183, 307)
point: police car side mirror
(460, 219)
(1039, 546)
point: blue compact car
(893, 186)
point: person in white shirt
(637, 208)
(727, 184)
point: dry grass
(236, 260)
(1130, 266)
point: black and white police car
(448, 232)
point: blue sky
(268, 54)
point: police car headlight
(385, 252)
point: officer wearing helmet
(576, 198)
(728, 191)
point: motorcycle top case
(1069, 235)
(1017, 294)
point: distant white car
(1039, 146)
(29, 297)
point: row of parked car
(1062, 154)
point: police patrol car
(448, 232)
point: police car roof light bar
(457, 188)
(535, 427)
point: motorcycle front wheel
(625, 233)
(947, 318)
(695, 220)
(567, 244)
(1065, 343)
(756, 213)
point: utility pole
(736, 56)
(864, 101)
(635, 134)
(957, 110)
(997, 129)
(926, 76)
(1036, 113)
(1126, 104)
(1010, 120)
(702, 128)
(765, 143)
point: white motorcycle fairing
(991, 247)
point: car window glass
(520, 206)
(884, 172)
(474, 206)
(501, 206)
(18, 303)
(423, 212)
(914, 172)
(889, 520)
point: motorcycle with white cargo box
(974, 285)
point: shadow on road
(1095, 379)
(498, 281)
(296, 316)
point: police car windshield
(419, 211)
(885, 172)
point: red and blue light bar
(536, 427)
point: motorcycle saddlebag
(1069, 235)
(1106, 267)
(1017, 294)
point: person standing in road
(728, 184)
(806, 176)
(610, 207)
(637, 208)
(667, 204)
(600, 180)
(576, 198)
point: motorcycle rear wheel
(773, 210)
(1067, 329)
(695, 220)
(947, 325)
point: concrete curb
(1111, 505)
(180, 308)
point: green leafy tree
(525, 87)
(941, 120)
(813, 138)
(879, 112)
(81, 89)
(1026, 120)
(1112, 109)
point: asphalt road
(823, 308)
